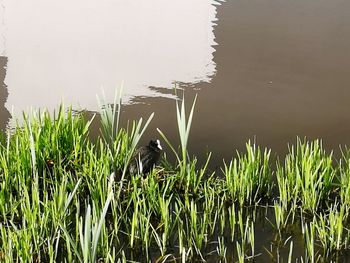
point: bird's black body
(145, 158)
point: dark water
(271, 70)
(266, 70)
(283, 70)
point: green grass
(64, 198)
(249, 176)
(307, 177)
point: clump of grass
(331, 231)
(281, 216)
(39, 166)
(184, 127)
(188, 176)
(343, 187)
(110, 117)
(307, 176)
(64, 198)
(249, 177)
(89, 233)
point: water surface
(283, 70)
(62, 50)
(268, 70)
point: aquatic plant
(66, 198)
(307, 176)
(249, 177)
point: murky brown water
(269, 70)
(280, 69)
(283, 70)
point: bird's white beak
(158, 145)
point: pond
(265, 70)
(269, 70)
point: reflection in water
(282, 71)
(4, 114)
(281, 67)
(71, 49)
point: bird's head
(155, 145)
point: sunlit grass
(64, 198)
(249, 176)
(307, 177)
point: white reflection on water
(70, 49)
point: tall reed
(62, 200)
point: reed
(189, 177)
(64, 198)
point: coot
(145, 158)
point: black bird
(145, 158)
